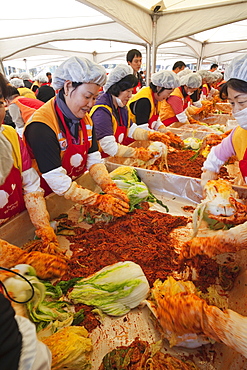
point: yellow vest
(47, 114)
(166, 110)
(12, 136)
(27, 93)
(114, 121)
(145, 92)
(239, 140)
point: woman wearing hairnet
(235, 144)
(61, 138)
(235, 90)
(23, 91)
(198, 96)
(173, 110)
(145, 105)
(19, 182)
(111, 118)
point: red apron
(74, 159)
(243, 165)
(120, 135)
(137, 87)
(11, 194)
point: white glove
(212, 163)
(182, 117)
(197, 103)
(206, 176)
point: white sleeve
(245, 180)
(158, 124)
(144, 126)
(109, 145)
(30, 181)
(132, 129)
(58, 180)
(212, 163)
(94, 158)
(197, 103)
(15, 113)
(35, 355)
(182, 117)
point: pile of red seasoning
(143, 237)
(187, 163)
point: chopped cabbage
(192, 142)
(216, 202)
(115, 289)
(126, 179)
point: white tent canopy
(104, 30)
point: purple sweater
(102, 118)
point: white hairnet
(205, 75)
(17, 82)
(13, 75)
(217, 75)
(166, 79)
(184, 72)
(237, 68)
(79, 70)
(42, 78)
(25, 76)
(192, 80)
(116, 75)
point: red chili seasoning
(143, 237)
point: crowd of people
(63, 125)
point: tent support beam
(198, 64)
(148, 58)
(2, 67)
(154, 46)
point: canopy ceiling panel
(173, 25)
(134, 18)
(93, 32)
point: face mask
(241, 117)
(119, 102)
(189, 93)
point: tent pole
(198, 64)
(154, 48)
(2, 67)
(148, 56)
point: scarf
(72, 121)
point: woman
(145, 105)
(20, 108)
(235, 89)
(173, 110)
(19, 182)
(23, 91)
(61, 138)
(113, 126)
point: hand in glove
(206, 176)
(36, 207)
(186, 313)
(106, 203)
(167, 138)
(231, 240)
(101, 176)
(162, 129)
(46, 265)
(144, 154)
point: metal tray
(121, 331)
